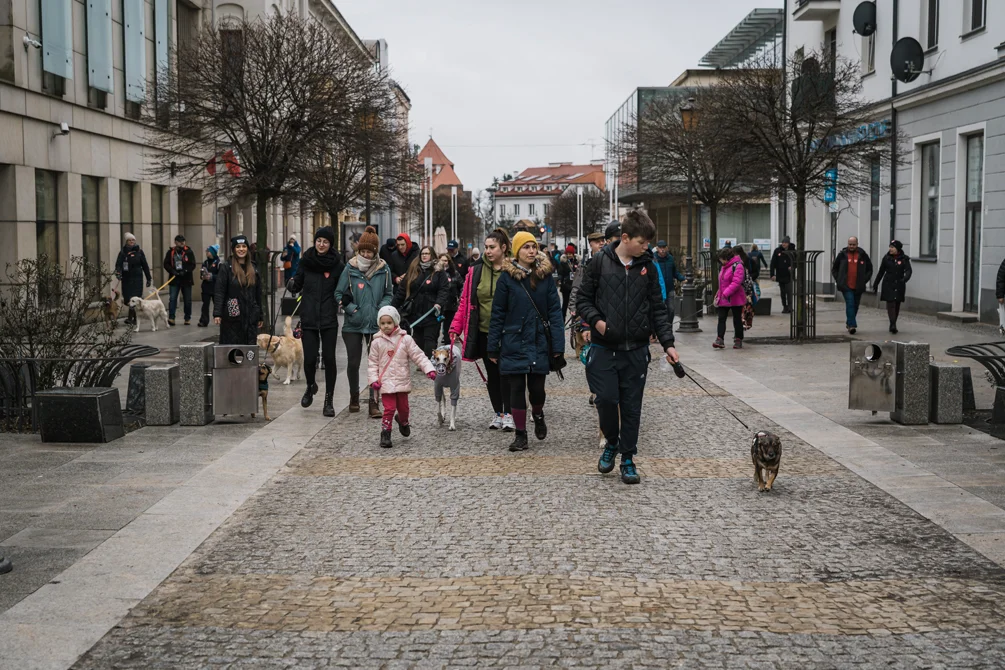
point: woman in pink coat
(731, 296)
(389, 370)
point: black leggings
(893, 311)
(737, 321)
(326, 340)
(498, 384)
(521, 385)
(354, 352)
(566, 292)
(426, 334)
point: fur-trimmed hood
(542, 268)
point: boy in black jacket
(620, 298)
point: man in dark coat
(179, 262)
(458, 259)
(852, 270)
(400, 260)
(130, 268)
(781, 271)
(386, 251)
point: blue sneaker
(606, 463)
(629, 474)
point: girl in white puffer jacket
(389, 370)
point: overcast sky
(497, 80)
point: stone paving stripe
(297, 603)
(546, 466)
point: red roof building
(443, 167)
(530, 193)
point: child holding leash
(389, 372)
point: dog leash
(419, 320)
(153, 293)
(728, 411)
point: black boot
(404, 428)
(329, 409)
(540, 429)
(354, 402)
(385, 439)
(309, 395)
(519, 442)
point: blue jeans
(186, 292)
(852, 300)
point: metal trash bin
(872, 380)
(235, 379)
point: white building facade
(946, 199)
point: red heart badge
(644, 270)
(327, 274)
(429, 281)
(360, 285)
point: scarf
(425, 266)
(368, 267)
(315, 262)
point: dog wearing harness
(446, 362)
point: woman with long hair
(525, 332)
(365, 286)
(237, 305)
(421, 296)
(472, 322)
(317, 277)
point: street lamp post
(689, 304)
(453, 212)
(427, 224)
(579, 216)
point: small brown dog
(263, 388)
(766, 452)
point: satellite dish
(864, 19)
(907, 59)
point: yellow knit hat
(520, 239)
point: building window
(516, 210)
(972, 231)
(157, 233)
(126, 206)
(502, 210)
(96, 98)
(530, 209)
(929, 200)
(133, 110)
(975, 12)
(47, 229)
(90, 207)
(930, 23)
(53, 84)
(831, 46)
(875, 188)
(869, 54)
(547, 209)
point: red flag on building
(230, 160)
(211, 166)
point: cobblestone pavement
(448, 551)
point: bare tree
(562, 212)
(248, 101)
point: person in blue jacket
(291, 255)
(526, 330)
(666, 266)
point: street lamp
(689, 304)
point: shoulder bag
(555, 363)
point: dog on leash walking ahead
(446, 362)
(287, 351)
(263, 389)
(153, 309)
(766, 452)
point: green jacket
(366, 296)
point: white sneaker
(508, 425)
(497, 423)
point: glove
(346, 299)
(437, 308)
(431, 375)
(290, 285)
(375, 386)
(149, 283)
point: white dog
(447, 364)
(153, 309)
(287, 351)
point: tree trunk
(801, 283)
(261, 239)
(801, 220)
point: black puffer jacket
(628, 299)
(428, 288)
(318, 309)
(455, 283)
(894, 273)
(781, 264)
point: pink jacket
(398, 378)
(463, 316)
(731, 284)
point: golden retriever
(286, 350)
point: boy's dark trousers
(618, 378)
(208, 289)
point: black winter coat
(781, 264)
(183, 274)
(461, 264)
(242, 329)
(399, 264)
(629, 300)
(131, 267)
(1000, 282)
(894, 273)
(839, 270)
(318, 309)
(756, 261)
(428, 288)
(455, 284)
(517, 335)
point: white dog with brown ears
(153, 309)
(287, 351)
(446, 362)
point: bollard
(163, 391)
(196, 362)
(912, 390)
(946, 393)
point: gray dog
(447, 363)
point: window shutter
(57, 37)
(136, 52)
(99, 45)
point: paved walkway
(448, 551)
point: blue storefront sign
(867, 132)
(831, 190)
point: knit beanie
(238, 239)
(898, 244)
(368, 241)
(325, 232)
(520, 239)
(571, 249)
(130, 236)
(387, 310)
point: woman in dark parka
(237, 305)
(894, 273)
